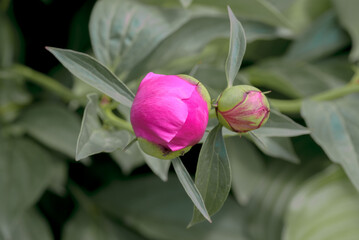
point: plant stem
(116, 121)
(293, 106)
(45, 81)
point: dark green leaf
(160, 210)
(87, 226)
(93, 137)
(335, 127)
(279, 125)
(53, 125)
(26, 170)
(94, 73)
(325, 208)
(213, 174)
(247, 167)
(272, 196)
(190, 187)
(348, 17)
(237, 48)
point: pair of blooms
(170, 112)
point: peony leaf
(237, 48)
(94, 73)
(213, 175)
(190, 187)
(335, 128)
(325, 208)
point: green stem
(45, 81)
(116, 121)
(293, 106)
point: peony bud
(169, 114)
(242, 108)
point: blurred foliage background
(293, 186)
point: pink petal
(195, 125)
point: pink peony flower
(242, 108)
(169, 114)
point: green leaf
(187, 41)
(130, 159)
(160, 210)
(296, 79)
(237, 48)
(311, 45)
(213, 174)
(93, 137)
(190, 187)
(279, 125)
(325, 208)
(26, 170)
(158, 166)
(87, 226)
(185, 3)
(348, 17)
(335, 128)
(272, 195)
(247, 166)
(123, 32)
(278, 147)
(53, 125)
(94, 73)
(31, 226)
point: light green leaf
(53, 125)
(272, 196)
(160, 210)
(32, 226)
(95, 74)
(186, 3)
(190, 187)
(86, 226)
(279, 125)
(213, 174)
(278, 147)
(348, 17)
(247, 166)
(26, 170)
(123, 32)
(311, 44)
(237, 48)
(325, 208)
(158, 166)
(335, 127)
(93, 137)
